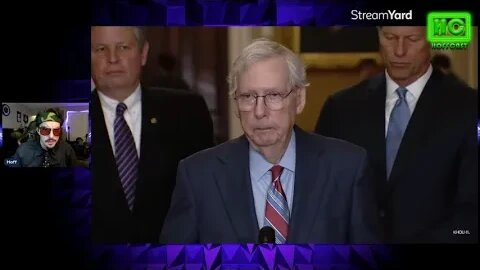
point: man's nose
(260, 108)
(400, 48)
(112, 56)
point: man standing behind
(308, 188)
(418, 127)
(138, 137)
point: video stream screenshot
(329, 135)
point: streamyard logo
(449, 30)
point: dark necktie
(125, 155)
(277, 214)
(396, 128)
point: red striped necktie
(277, 214)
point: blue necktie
(396, 127)
(125, 155)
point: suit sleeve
(463, 217)
(364, 223)
(325, 122)
(180, 224)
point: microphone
(266, 235)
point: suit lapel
(104, 168)
(420, 127)
(101, 141)
(151, 114)
(150, 136)
(309, 191)
(233, 181)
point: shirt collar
(259, 165)
(414, 88)
(130, 101)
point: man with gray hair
(138, 136)
(307, 188)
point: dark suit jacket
(183, 126)
(433, 188)
(213, 200)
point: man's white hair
(140, 35)
(262, 49)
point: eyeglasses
(273, 101)
(46, 131)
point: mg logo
(449, 30)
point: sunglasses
(46, 131)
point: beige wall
(322, 84)
(465, 62)
(238, 37)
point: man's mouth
(115, 72)
(399, 64)
(263, 128)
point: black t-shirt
(31, 154)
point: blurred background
(198, 59)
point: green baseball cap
(48, 116)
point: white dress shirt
(415, 89)
(133, 115)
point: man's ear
(301, 99)
(145, 49)
(236, 111)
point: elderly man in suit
(138, 137)
(418, 127)
(308, 188)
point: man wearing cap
(47, 149)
